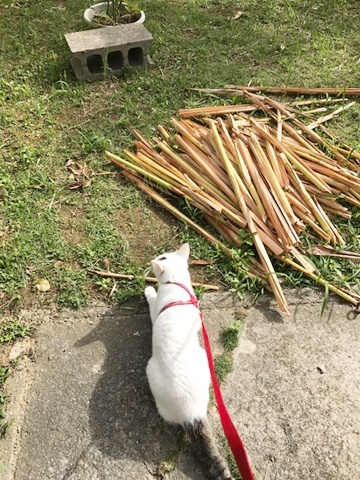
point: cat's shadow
(123, 419)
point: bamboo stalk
(294, 201)
(273, 281)
(272, 181)
(157, 197)
(192, 171)
(310, 203)
(262, 191)
(265, 260)
(227, 164)
(295, 160)
(349, 198)
(331, 226)
(164, 133)
(331, 115)
(305, 262)
(120, 162)
(161, 170)
(299, 90)
(279, 126)
(272, 202)
(276, 166)
(336, 174)
(253, 205)
(332, 203)
(244, 172)
(308, 220)
(336, 213)
(204, 111)
(184, 130)
(329, 251)
(204, 165)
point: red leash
(233, 438)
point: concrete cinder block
(109, 50)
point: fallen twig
(326, 250)
(298, 90)
(325, 118)
(103, 273)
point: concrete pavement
(82, 410)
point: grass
(49, 230)
(10, 330)
(229, 340)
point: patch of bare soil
(70, 217)
(147, 231)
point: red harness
(233, 438)
(192, 300)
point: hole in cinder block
(136, 56)
(115, 60)
(77, 66)
(95, 63)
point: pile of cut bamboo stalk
(269, 174)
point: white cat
(178, 370)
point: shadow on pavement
(123, 418)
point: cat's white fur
(178, 370)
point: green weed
(12, 330)
(223, 366)
(229, 339)
(230, 336)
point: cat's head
(172, 266)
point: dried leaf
(106, 263)
(43, 285)
(86, 171)
(76, 171)
(75, 185)
(238, 14)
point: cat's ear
(157, 268)
(184, 251)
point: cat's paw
(150, 293)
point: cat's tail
(206, 450)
